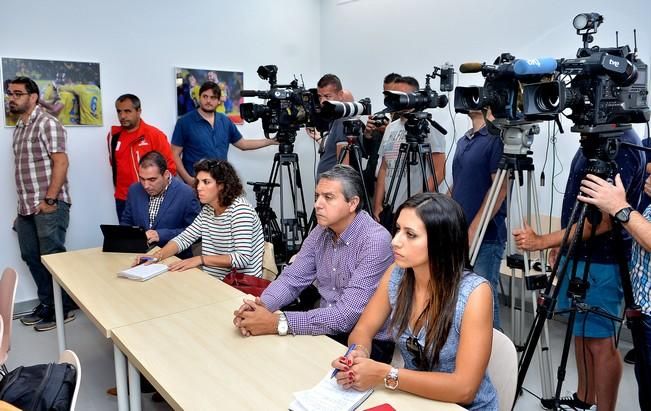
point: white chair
(8, 285)
(70, 357)
(269, 268)
(503, 369)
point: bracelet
(363, 349)
(202, 262)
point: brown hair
(447, 248)
(223, 173)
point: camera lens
(547, 98)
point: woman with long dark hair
(440, 313)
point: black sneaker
(629, 358)
(37, 315)
(570, 401)
(50, 323)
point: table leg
(58, 315)
(121, 378)
(134, 388)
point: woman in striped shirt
(227, 225)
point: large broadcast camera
(290, 107)
(502, 87)
(502, 92)
(413, 104)
(607, 86)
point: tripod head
(600, 145)
(417, 126)
(517, 135)
(286, 139)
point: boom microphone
(544, 65)
(471, 67)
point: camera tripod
(600, 145)
(292, 228)
(354, 152)
(352, 130)
(517, 166)
(414, 152)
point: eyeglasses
(414, 348)
(17, 94)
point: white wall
(138, 44)
(363, 40)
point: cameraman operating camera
(329, 89)
(394, 135)
(375, 128)
(612, 200)
(596, 354)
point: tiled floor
(96, 355)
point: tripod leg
(358, 163)
(493, 195)
(398, 171)
(518, 337)
(302, 213)
(544, 359)
(427, 167)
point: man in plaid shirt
(39, 144)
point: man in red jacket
(128, 143)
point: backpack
(42, 387)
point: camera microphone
(471, 67)
(544, 65)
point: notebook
(124, 239)
(143, 272)
(327, 395)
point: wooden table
(90, 278)
(197, 360)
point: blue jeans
(644, 354)
(41, 234)
(487, 265)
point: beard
(17, 109)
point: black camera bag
(42, 387)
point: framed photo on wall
(70, 91)
(188, 82)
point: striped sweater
(236, 232)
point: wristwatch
(50, 201)
(283, 327)
(624, 215)
(391, 380)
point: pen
(350, 349)
(144, 259)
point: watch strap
(391, 379)
(283, 326)
(624, 215)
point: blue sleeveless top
(486, 397)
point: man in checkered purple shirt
(344, 256)
(39, 144)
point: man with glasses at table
(39, 143)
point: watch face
(391, 383)
(623, 215)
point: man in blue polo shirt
(475, 164)
(594, 335)
(204, 133)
